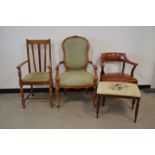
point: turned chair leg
(51, 95)
(22, 96)
(58, 97)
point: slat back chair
(38, 56)
(36, 48)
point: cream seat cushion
(76, 78)
(37, 76)
(118, 89)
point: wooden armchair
(122, 76)
(37, 74)
(75, 50)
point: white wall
(137, 42)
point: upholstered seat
(76, 78)
(37, 76)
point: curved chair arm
(21, 64)
(131, 63)
(57, 71)
(102, 71)
(95, 70)
(19, 69)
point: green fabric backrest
(75, 52)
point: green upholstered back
(75, 52)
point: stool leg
(103, 101)
(98, 106)
(133, 103)
(94, 97)
(136, 110)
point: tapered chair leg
(103, 101)
(51, 95)
(136, 110)
(22, 96)
(133, 103)
(58, 97)
(98, 106)
(94, 97)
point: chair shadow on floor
(70, 96)
(85, 99)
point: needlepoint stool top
(118, 89)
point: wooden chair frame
(66, 69)
(116, 57)
(31, 83)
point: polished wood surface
(34, 47)
(122, 76)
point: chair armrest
(21, 64)
(50, 72)
(95, 70)
(19, 70)
(57, 70)
(131, 62)
(134, 66)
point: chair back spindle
(38, 49)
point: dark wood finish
(66, 68)
(133, 103)
(30, 44)
(98, 106)
(136, 99)
(118, 77)
(136, 110)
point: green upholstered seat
(76, 78)
(37, 76)
(75, 53)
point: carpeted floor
(76, 112)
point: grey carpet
(76, 112)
